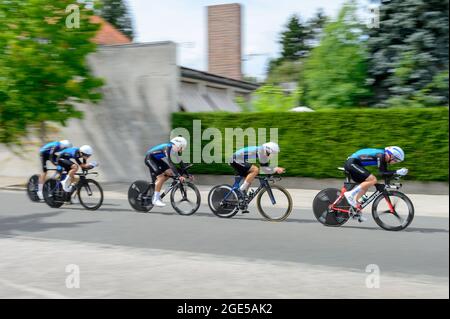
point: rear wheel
(140, 201)
(185, 199)
(399, 217)
(221, 207)
(321, 205)
(90, 194)
(32, 188)
(275, 211)
(53, 193)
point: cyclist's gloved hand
(93, 164)
(402, 172)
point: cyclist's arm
(383, 167)
(168, 160)
(265, 164)
(52, 156)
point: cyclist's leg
(246, 170)
(43, 175)
(361, 176)
(71, 168)
(253, 171)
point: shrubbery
(314, 144)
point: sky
(185, 22)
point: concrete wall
(139, 95)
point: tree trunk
(43, 132)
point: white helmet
(180, 142)
(86, 150)
(271, 148)
(65, 144)
(396, 152)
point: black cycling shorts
(156, 166)
(241, 168)
(45, 157)
(358, 173)
(66, 164)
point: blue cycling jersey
(70, 153)
(51, 148)
(253, 152)
(369, 156)
(159, 151)
(164, 152)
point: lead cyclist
(356, 165)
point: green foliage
(116, 12)
(286, 72)
(294, 40)
(270, 98)
(336, 71)
(315, 144)
(409, 53)
(43, 68)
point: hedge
(315, 144)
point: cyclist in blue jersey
(239, 162)
(80, 155)
(357, 162)
(159, 161)
(49, 153)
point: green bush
(315, 144)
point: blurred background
(332, 76)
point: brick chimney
(225, 40)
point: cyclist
(49, 153)
(80, 155)
(239, 162)
(357, 162)
(159, 161)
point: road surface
(118, 253)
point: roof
(108, 34)
(213, 78)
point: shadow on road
(34, 223)
(407, 230)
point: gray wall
(139, 95)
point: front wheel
(90, 194)
(323, 200)
(32, 188)
(185, 199)
(140, 196)
(274, 203)
(223, 201)
(393, 211)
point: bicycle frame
(175, 182)
(380, 191)
(82, 176)
(264, 184)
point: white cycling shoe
(40, 195)
(351, 199)
(66, 185)
(158, 203)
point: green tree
(294, 40)
(269, 98)
(336, 71)
(43, 68)
(409, 53)
(315, 27)
(287, 71)
(116, 12)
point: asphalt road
(421, 250)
